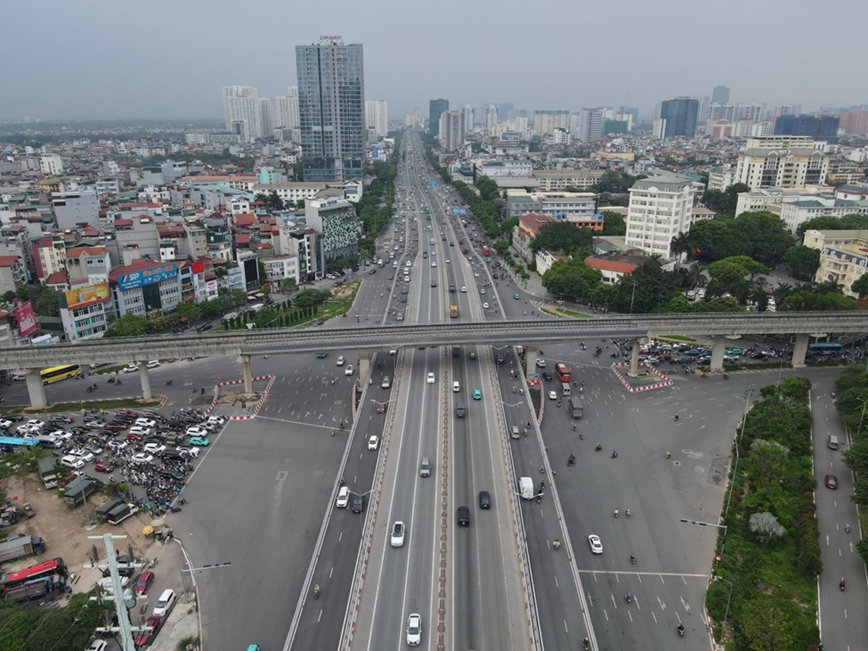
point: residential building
(795, 213)
(491, 118)
(545, 123)
(145, 286)
(280, 268)
(377, 116)
(12, 273)
(51, 164)
(284, 110)
(681, 115)
(526, 230)
(335, 220)
(579, 208)
(73, 208)
(87, 264)
(720, 95)
(782, 161)
(816, 127)
(468, 118)
(242, 112)
(854, 122)
(659, 210)
(590, 128)
(843, 257)
(84, 310)
(331, 102)
(451, 130)
(720, 178)
(615, 265)
(771, 199)
(720, 129)
(134, 238)
(550, 180)
(436, 107)
(49, 256)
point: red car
(126, 413)
(381, 407)
(133, 437)
(144, 582)
(831, 482)
(103, 466)
(146, 637)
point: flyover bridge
(529, 332)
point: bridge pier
(717, 353)
(35, 389)
(244, 360)
(634, 359)
(799, 351)
(146, 381)
(364, 366)
(530, 358)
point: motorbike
(633, 559)
(556, 544)
(725, 376)
(183, 500)
(571, 461)
(89, 389)
(586, 643)
(681, 630)
(614, 454)
(628, 597)
(111, 380)
(316, 591)
(168, 383)
(846, 528)
(668, 454)
(598, 447)
(616, 513)
(676, 416)
(174, 509)
(842, 584)
(627, 513)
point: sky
(169, 59)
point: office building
(659, 210)
(468, 118)
(590, 125)
(436, 107)
(783, 162)
(491, 117)
(506, 111)
(331, 106)
(720, 95)
(451, 130)
(242, 112)
(854, 122)
(377, 116)
(84, 310)
(681, 115)
(817, 127)
(843, 257)
(335, 220)
(284, 110)
(579, 208)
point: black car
(15, 418)
(358, 504)
(484, 500)
(174, 475)
(547, 377)
(205, 327)
(463, 516)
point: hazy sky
(164, 58)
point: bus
(56, 373)
(34, 581)
(563, 372)
(486, 251)
(825, 349)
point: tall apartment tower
(491, 117)
(681, 115)
(331, 107)
(451, 130)
(659, 210)
(468, 118)
(242, 112)
(377, 116)
(436, 107)
(720, 95)
(590, 125)
(284, 109)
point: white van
(565, 389)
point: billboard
(197, 267)
(81, 296)
(158, 274)
(25, 317)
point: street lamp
(728, 599)
(862, 417)
(747, 396)
(635, 282)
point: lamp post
(728, 599)
(633, 297)
(747, 396)
(862, 417)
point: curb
(259, 403)
(665, 380)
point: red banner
(26, 318)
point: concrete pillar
(799, 351)
(717, 353)
(146, 381)
(364, 366)
(530, 359)
(244, 360)
(35, 389)
(634, 359)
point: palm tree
(696, 277)
(680, 244)
(782, 291)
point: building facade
(335, 220)
(843, 257)
(377, 116)
(84, 311)
(816, 127)
(681, 115)
(782, 161)
(436, 107)
(242, 112)
(451, 130)
(720, 95)
(660, 209)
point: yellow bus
(56, 373)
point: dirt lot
(63, 528)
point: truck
(451, 288)
(20, 545)
(526, 488)
(47, 472)
(121, 513)
(77, 490)
(453, 311)
(460, 410)
(11, 512)
(576, 407)
(102, 512)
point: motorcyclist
(668, 454)
(681, 629)
(633, 558)
(676, 416)
(614, 454)
(316, 591)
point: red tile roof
(8, 260)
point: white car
(431, 378)
(141, 431)
(5, 424)
(349, 370)
(154, 448)
(540, 363)
(553, 395)
(219, 421)
(19, 377)
(153, 363)
(132, 368)
(343, 498)
(107, 585)
(463, 290)
(447, 261)
(595, 543)
(165, 603)
(84, 455)
(456, 387)
(485, 306)
(70, 461)
(66, 435)
(414, 630)
(373, 443)
(35, 423)
(141, 457)
(340, 361)
(117, 446)
(144, 422)
(197, 431)
(433, 264)
(193, 452)
(397, 537)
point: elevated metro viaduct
(530, 333)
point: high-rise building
(435, 109)
(818, 127)
(590, 125)
(284, 110)
(854, 121)
(785, 109)
(506, 111)
(265, 116)
(242, 112)
(451, 130)
(490, 117)
(331, 105)
(659, 210)
(783, 162)
(377, 116)
(720, 95)
(681, 115)
(632, 110)
(468, 117)
(546, 122)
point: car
(484, 500)
(434, 263)
(70, 461)
(482, 291)
(343, 498)
(145, 637)
(321, 355)
(84, 454)
(204, 328)
(595, 543)
(318, 322)
(397, 537)
(144, 582)
(485, 306)
(349, 370)
(152, 364)
(132, 436)
(154, 448)
(414, 630)
(463, 290)
(59, 419)
(477, 394)
(831, 482)
(472, 354)
(373, 442)
(540, 363)
(456, 387)
(5, 424)
(98, 645)
(553, 395)
(381, 407)
(358, 503)
(385, 383)
(145, 422)
(141, 431)
(340, 361)
(126, 413)
(431, 379)
(19, 377)
(463, 516)
(547, 377)
(117, 446)
(197, 431)
(199, 441)
(165, 603)
(103, 466)
(132, 368)
(141, 458)
(516, 297)
(34, 423)
(95, 448)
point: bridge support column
(34, 388)
(530, 358)
(146, 381)
(717, 353)
(799, 351)
(244, 360)
(364, 366)
(634, 359)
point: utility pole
(124, 628)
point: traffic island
(237, 405)
(648, 378)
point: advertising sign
(26, 318)
(197, 267)
(150, 276)
(81, 296)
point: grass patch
(676, 338)
(61, 407)
(566, 312)
(106, 369)
(189, 641)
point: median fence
(257, 406)
(665, 380)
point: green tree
(725, 202)
(189, 311)
(237, 296)
(613, 223)
(680, 244)
(9, 296)
(22, 292)
(802, 261)
(733, 269)
(860, 286)
(308, 298)
(562, 236)
(852, 222)
(696, 277)
(46, 303)
(129, 325)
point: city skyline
(401, 68)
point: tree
(724, 202)
(766, 526)
(613, 223)
(129, 325)
(308, 298)
(802, 261)
(730, 271)
(860, 286)
(188, 311)
(46, 303)
(561, 236)
(680, 244)
(9, 296)
(853, 222)
(696, 277)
